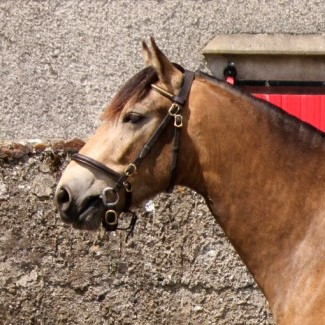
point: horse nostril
(63, 199)
(66, 204)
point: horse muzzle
(87, 215)
(105, 209)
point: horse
(258, 168)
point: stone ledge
(266, 44)
(17, 149)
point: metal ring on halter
(111, 218)
(130, 169)
(174, 109)
(105, 199)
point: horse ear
(168, 75)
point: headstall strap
(178, 103)
(110, 195)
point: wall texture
(178, 268)
(60, 63)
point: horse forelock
(136, 88)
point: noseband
(110, 195)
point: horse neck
(262, 184)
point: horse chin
(90, 216)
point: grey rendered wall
(60, 63)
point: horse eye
(132, 117)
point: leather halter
(110, 195)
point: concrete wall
(60, 63)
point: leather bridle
(110, 195)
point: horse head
(128, 159)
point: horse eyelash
(132, 117)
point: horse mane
(137, 88)
(289, 124)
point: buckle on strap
(110, 197)
(178, 122)
(111, 219)
(174, 109)
(130, 169)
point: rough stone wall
(178, 268)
